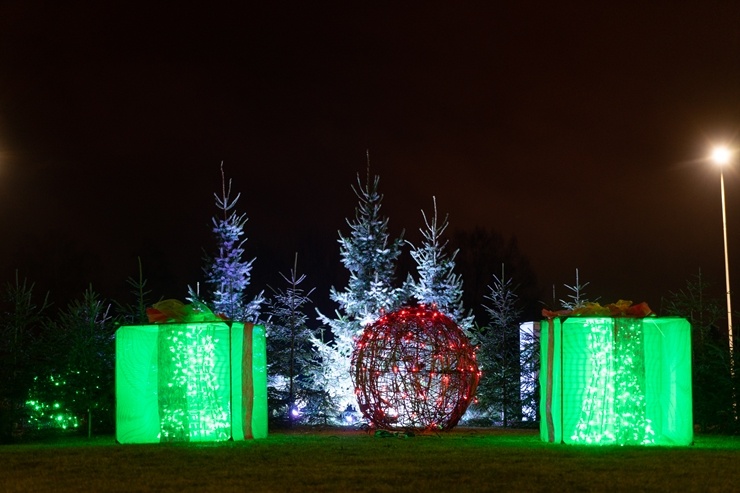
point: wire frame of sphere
(414, 369)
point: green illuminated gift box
(200, 381)
(616, 380)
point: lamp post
(722, 156)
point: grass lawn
(466, 459)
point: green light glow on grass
(624, 381)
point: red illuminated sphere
(414, 369)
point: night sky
(580, 128)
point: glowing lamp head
(721, 155)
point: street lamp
(721, 156)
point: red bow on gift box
(176, 311)
(622, 308)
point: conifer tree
(289, 349)
(498, 353)
(227, 273)
(135, 313)
(23, 324)
(437, 283)
(84, 375)
(577, 297)
(370, 256)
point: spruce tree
(498, 353)
(135, 313)
(24, 327)
(437, 283)
(370, 256)
(227, 273)
(577, 298)
(83, 378)
(289, 349)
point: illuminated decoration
(49, 413)
(54, 415)
(622, 380)
(414, 368)
(197, 381)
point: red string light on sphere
(414, 369)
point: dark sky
(578, 127)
